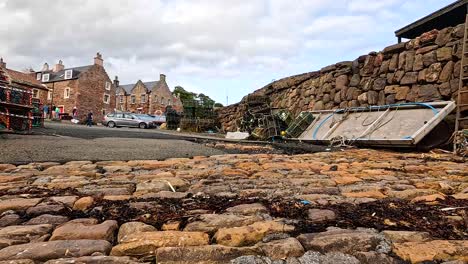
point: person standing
(52, 111)
(45, 110)
(57, 112)
(90, 119)
(74, 113)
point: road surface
(65, 142)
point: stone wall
(424, 69)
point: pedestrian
(57, 112)
(45, 110)
(74, 112)
(90, 119)
(52, 111)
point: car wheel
(111, 124)
(142, 125)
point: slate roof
(149, 85)
(25, 79)
(60, 75)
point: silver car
(126, 120)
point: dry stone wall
(424, 69)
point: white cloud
(252, 41)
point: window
(143, 98)
(168, 101)
(155, 98)
(35, 93)
(162, 100)
(49, 95)
(119, 115)
(121, 99)
(133, 99)
(66, 93)
(108, 86)
(68, 74)
(38, 76)
(106, 98)
(45, 77)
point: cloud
(205, 43)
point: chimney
(45, 67)
(98, 60)
(162, 77)
(116, 81)
(2, 63)
(58, 67)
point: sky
(224, 49)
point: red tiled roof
(25, 79)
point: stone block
(444, 54)
(379, 84)
(418, 63)
(393, 63)
(409, 78)
(433, 72)
(446, 72)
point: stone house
(27, 79)
(88, 88)
(146, 97)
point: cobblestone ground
(353, 206)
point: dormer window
(68, 74)
(39, 76)
(108, 86)
(45, 77)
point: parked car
(157, 119)
(127, 120)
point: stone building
(146, 97)
(88, 88)
(27, 79)
(426, 68)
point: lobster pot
(37, 113)
(20, 123)
(20, 97)
(3, 93)
(300, 124)
(188, 124)
(284, 116)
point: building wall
(139, 105)
(92, 87)
(424, 69)
(121, 105)
(58, 98)
(159, 99)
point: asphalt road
(84, 132)
(66, 142)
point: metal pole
(51, 100)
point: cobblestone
(353, 206)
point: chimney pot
(162, 77)
(45, 67)
(2, 63)
(116, 81)
(59, 66)
(98, 59)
